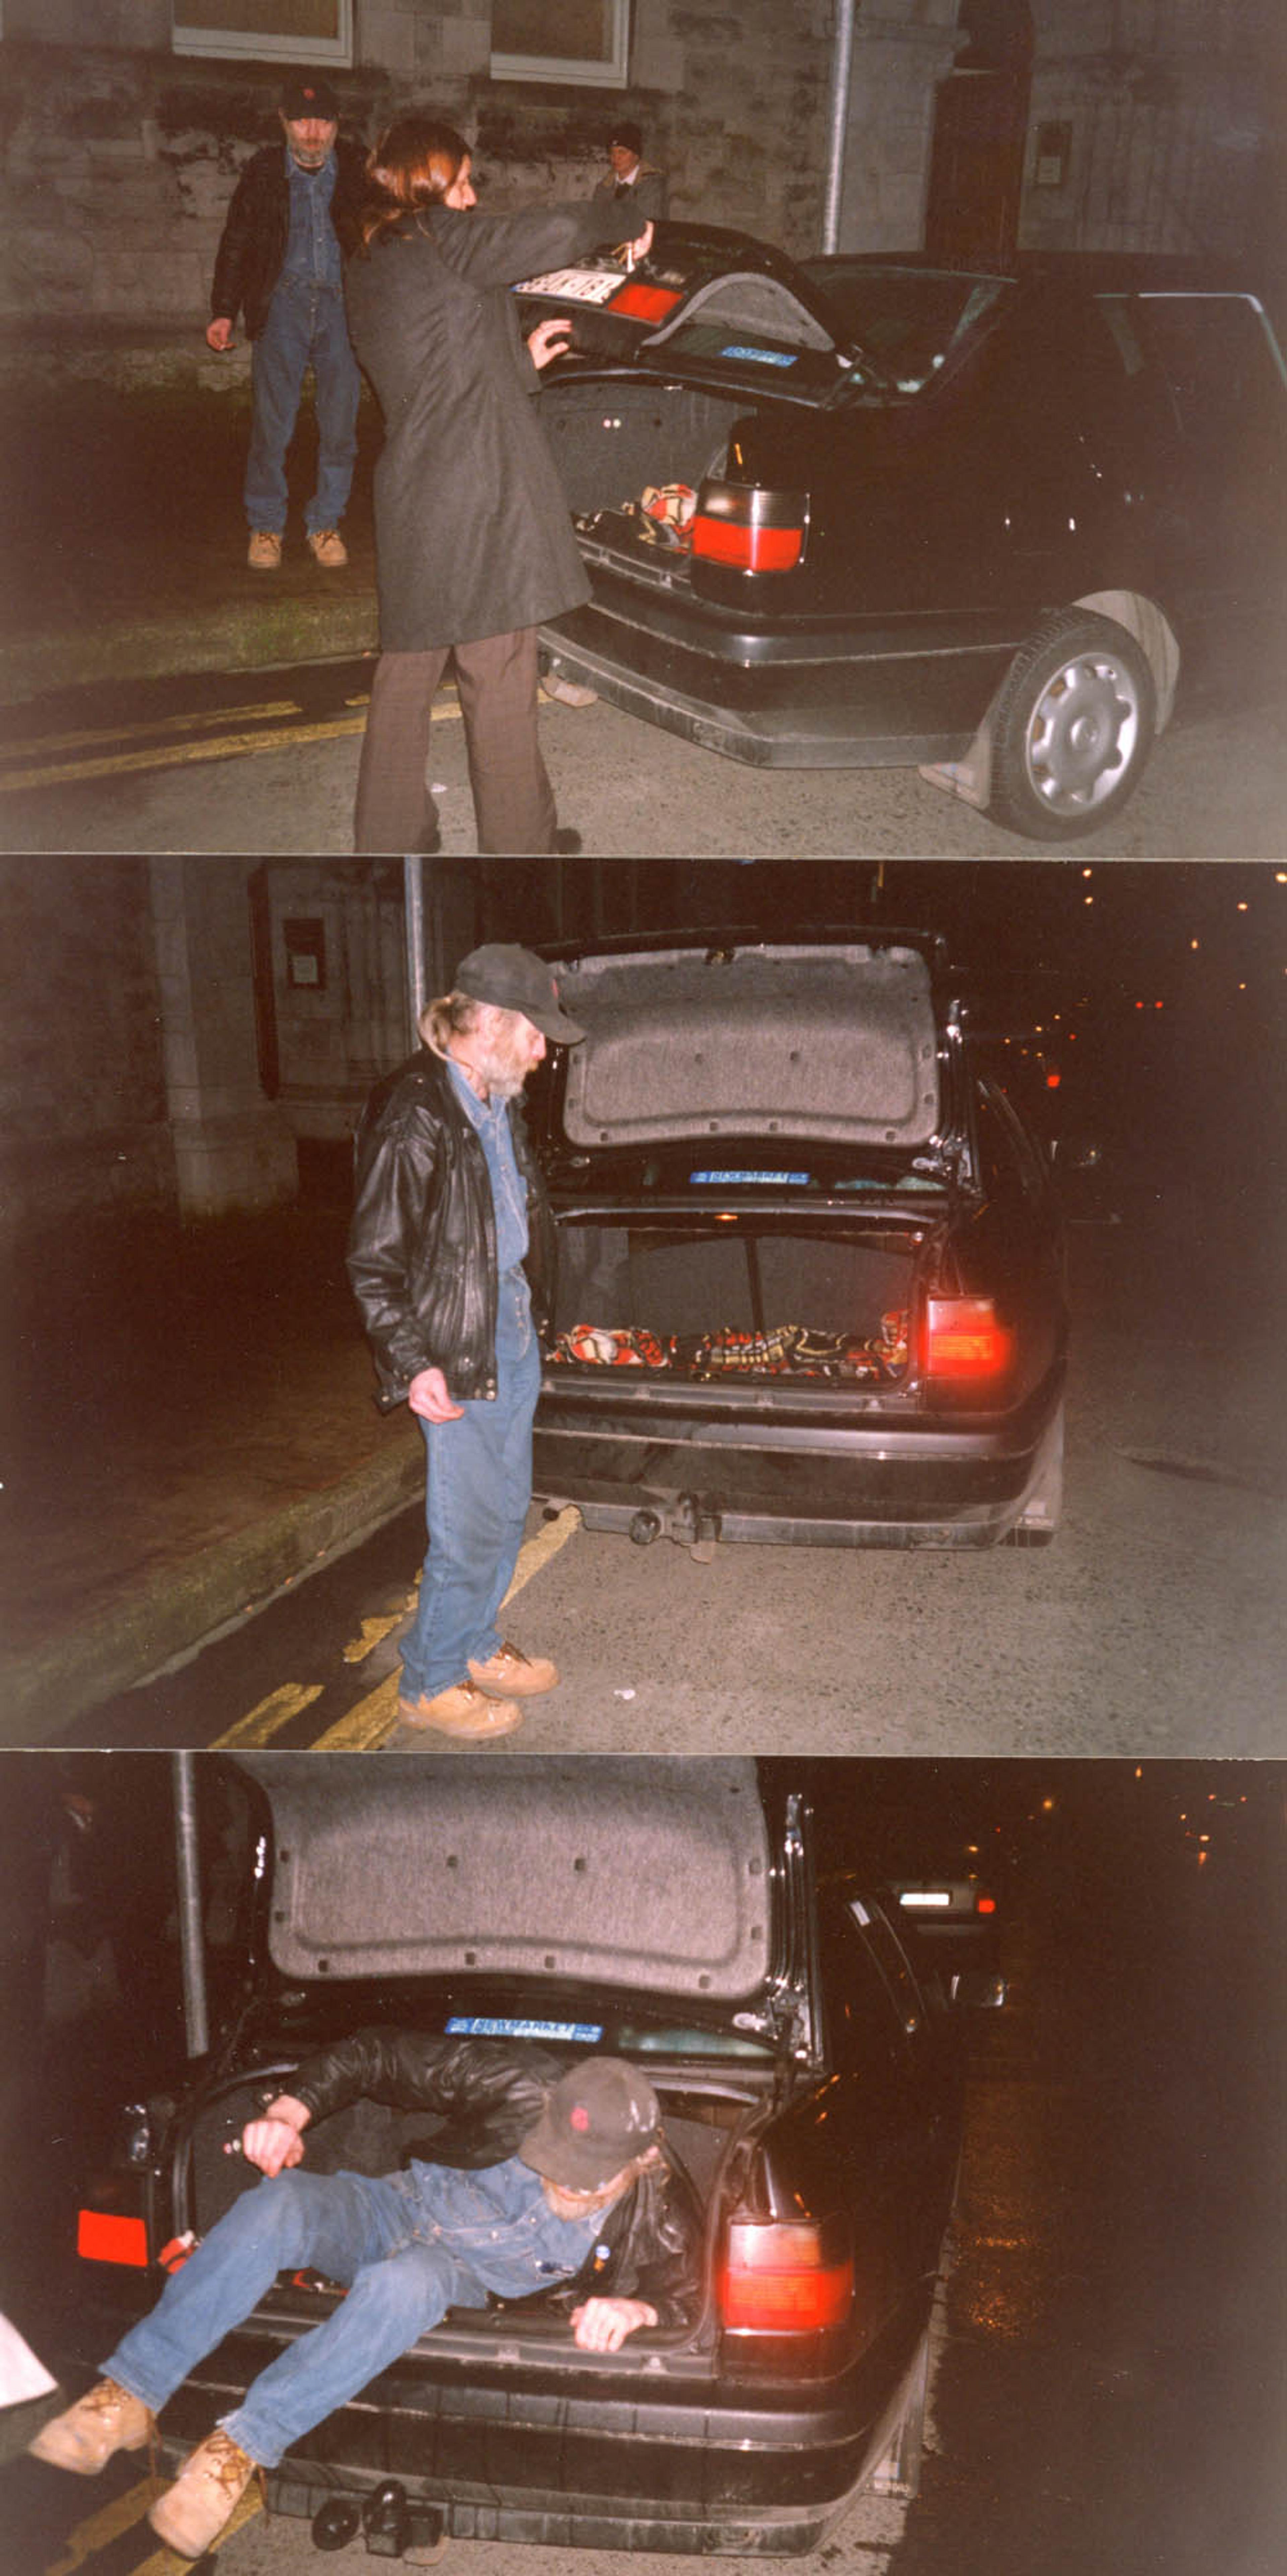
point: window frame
(221, 44)
(609, 72)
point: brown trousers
(513, 799)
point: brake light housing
(965, 1342)
(747, 529)
(785, 2277)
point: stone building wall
(82, 1075)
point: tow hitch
(694, 1521)
(392, 2526)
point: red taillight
(780, 2279)
(104, 2238)
(985, 1905)
(642, 303)
(963, 1339)
(750, 530)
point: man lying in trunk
(537, 2178)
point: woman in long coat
(474, 546)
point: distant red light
(985, 1905)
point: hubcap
(1083, 733)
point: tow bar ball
(390, 2524)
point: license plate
(573, 285)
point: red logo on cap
(580, 2118)
(310, 93)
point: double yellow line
(168, 742)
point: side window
(1007, 1164)
(1221, 364)
(871, 2000)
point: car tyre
(1072, 728)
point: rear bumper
(889, 1487)
(580, 2458)
(891, 696)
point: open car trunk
(735, 1295)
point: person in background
(280, 263)
(631, 182)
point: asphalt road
(1155, 1623)
(276, 774)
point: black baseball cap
(512, 979)
(597, 2119)
(306, 95)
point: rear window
(909, 320)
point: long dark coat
(472, 530)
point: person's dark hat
(305, 95)
(629, 134)
(597, 2119)
(513, 979)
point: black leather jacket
(484, 2101)
(250, 254)
(422, 1243)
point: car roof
(647, 1875)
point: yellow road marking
(191, 723)
(105, 2526)
(232, 746)
(374, 1632)
(536, 1552)
(167, 2562)
(367, 1725)
(260, 1724)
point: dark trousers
(513, 799)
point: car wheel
(1043, 1502)
(1072, 729)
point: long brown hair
(414, 163)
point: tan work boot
(208, 2488)
(327, 548)
(105, 2420)
(264, 553)
(462, 1710)
(514, 1675)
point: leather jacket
(422, 1242)
(250, 254)
(484, 2100)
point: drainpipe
(413, 905)
(838, 121)
(191, 1943)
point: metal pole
(413, 904)
(838, 121)
(191, 1939)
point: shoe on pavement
(327, 548)
(105, 2420)
(567, 693)
(514, 1675)
(462, 1710)
(264, 552)
(209, 2487)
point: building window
(593, 42)
(266, 31)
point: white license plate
(574, 285)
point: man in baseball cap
(449, 1257)
(597, 2120)
(280, 262)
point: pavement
(191, 1426)
(123, 460)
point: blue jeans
(405, 2247)
(477, 1489)
(306, 326)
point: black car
(810, 1278)
(810, 2069)
(872, 513)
